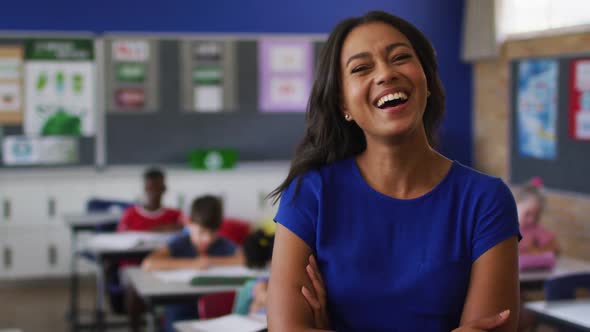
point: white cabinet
(4, 260)
(70, 197)
(29, 203)
(25, 254)
(58, 252)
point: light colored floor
(42, 306)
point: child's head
(258, 249)
(154, 186)
(530, 203)
(206, 217)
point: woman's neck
(403, 170)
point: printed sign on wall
(285, 74)
(579, 87)
(208, 76)
(60, 87)
(23, 150)
(11, 101)
(132, 75)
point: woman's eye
(359, 69)
(401, 57)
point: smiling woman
(377, 230)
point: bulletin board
(166, 126)
(549, 124)
(159, 98)
(48, 100)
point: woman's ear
(344, 109)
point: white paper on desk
(234, 323)
(186, 275)
(183, 276)
(127, 240)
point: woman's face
(529, 211)
(384, 87)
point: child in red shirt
(151, 216)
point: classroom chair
(235, 230)
(215, 305)
(244, 298)
(219, 304)
(115, 291)
(565, 287)
(106, 205)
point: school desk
(570, 315)
(156, 291)
(534, 279)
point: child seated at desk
(151, 216)
(538, 246)
(198, 247)
(258, 251)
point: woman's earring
(427, 93)
(347, 117)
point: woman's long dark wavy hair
(328, 137)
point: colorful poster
(285, 74)
(537, 108)
(11, 63)
(23, 150)
(579, 87)
(60, 87)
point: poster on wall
(51, 150)
(132, 75)
(286, 73)
(207, 76)
(11, 101)
(59, 87)
(579, 89)
(537, 108)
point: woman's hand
(317, 298)
(485, 324)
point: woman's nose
(385, 74)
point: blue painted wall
(439, 20)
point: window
(517, 17)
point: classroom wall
(440, 21)
(568, 214)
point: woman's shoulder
(478, 181)
(318, 175)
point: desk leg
(73, 316)
(100, 291)
(152, 319)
